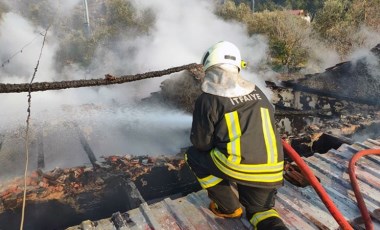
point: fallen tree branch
(108, 80)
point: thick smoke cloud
(112, 118)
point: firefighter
(235, 142)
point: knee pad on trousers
(269, 219)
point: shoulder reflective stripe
(234, 133)
(209, 181)
(247, 168)
(253, 177)
(260, 216)
(269, 136)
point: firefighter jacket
(240, 135)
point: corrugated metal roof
(300, 208)
(303, 207)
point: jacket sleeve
(202, 129)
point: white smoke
(21, 44)
(321, 57)
(112, 117)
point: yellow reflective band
(269, 136)
(247, 168)
(209, 181)
(234, 133)
(258, 177)
(260, 216)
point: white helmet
(222, 53)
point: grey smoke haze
(111, 117)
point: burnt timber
(357, 81)
(117, 184)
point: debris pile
(356, 80)
(55, 184)
(90, 191)
(179, 92)
(293, 174)
(59, 183)
(140, 165)
(329, 133)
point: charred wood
(40, 150)
(108, 80)
(1, 141)
(327, 141)
(332, 94)
(355, 80)
(73, 208)
(86, 146)
(286, 111)
(294, 175)
(165, 182)
(376, 50)
(84, 193)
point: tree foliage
(287, 33)
(338, 24)
(311, 6)
(121, 15)
(110, 23)
(340, 21)
(39, 12)
(3, 9)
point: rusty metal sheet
(305, 209)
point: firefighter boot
(236, 214)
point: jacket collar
(224, 80)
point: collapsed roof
(357, 80)
(299, 206)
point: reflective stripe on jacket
(241, 136)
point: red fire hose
(317, 186)
(351, 169)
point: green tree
(263, 5)
(311, 6)
(121, 15)
(114, 19)
(340, 22)
(287, 37)
(230, 11)
(3, 9)
(39, 12)
(287, 34)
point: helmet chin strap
(229, 67)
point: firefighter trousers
(258, 202)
